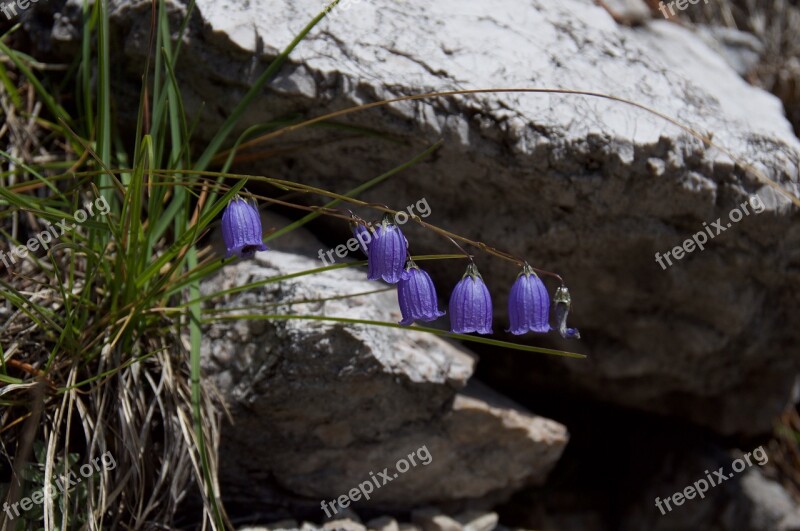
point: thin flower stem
(375, 206)
(358, 219)
(486, 248)
(468, 255)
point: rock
(345, 520)
(771, 506)
(588, 187)
(322, 409)
(433, 520)
(384, 523)
(343, 524)
(774, 24)
(283, 525)
(741, 50)
(478, 521)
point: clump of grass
(92, 362)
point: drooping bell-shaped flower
(364, 235)
(241, 229)
(471, 304)
(529, 304)
(563, 301)
(387, 253)
(417, 296)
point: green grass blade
(427, 330)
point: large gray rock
(318, 407)
(588, 187)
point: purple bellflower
(529, 304)
(387, 253)
(364, 235)
(241, 229)
(417, 296)
(471, 304)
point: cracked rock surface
(587, 187)
(318, 407)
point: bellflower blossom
(387, 253)
(364, 235)
(241, 229)
(417, 296)
(529, 304)
(471, 304)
